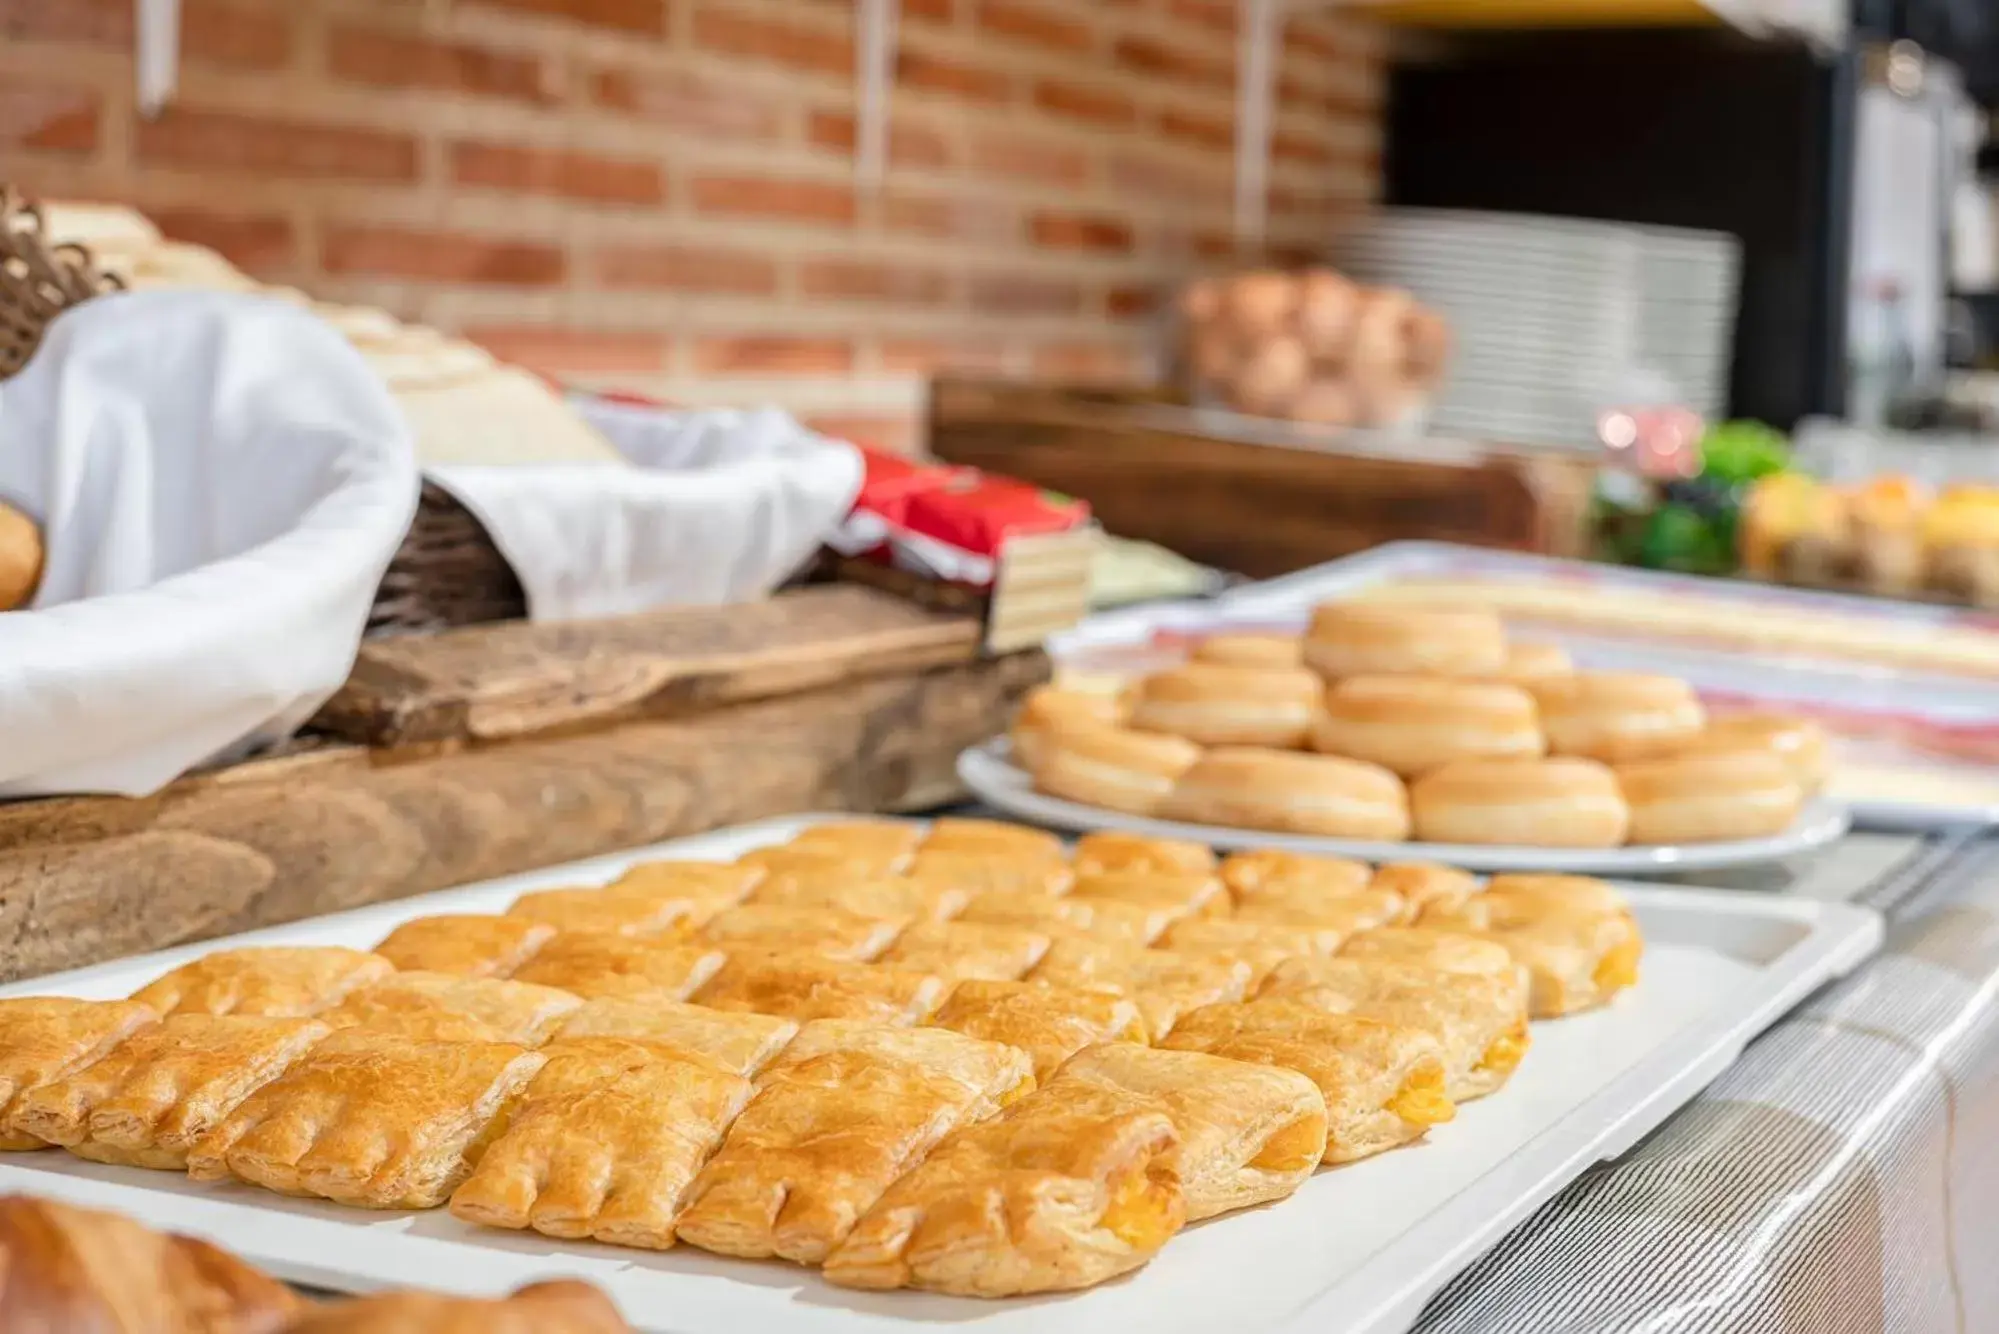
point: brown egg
(1327, 307)
(1391, 403)
(1272, 376)
(1262, 303)
(1214, 355)
(1429, 346)
(1325, 403)
(1201, 302)
(1380, 340)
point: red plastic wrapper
(947, 522)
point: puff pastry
(439, 1006)
(980, 874)
(598, 963)
(993, 838)
(715, 882)
(823, 1139)
(158, 1092)
(612, 910)
(1065, 1189)
(1296, 904)
(882, 897)
(1451, 951)
(1382, 1084)
(467, 944)
(1247, 873)
(820, 862)
(1249, 1133)
(808, 986)
(560, 1307)
(1049, 1023)
(1162, 982)
(373, 1121)
(276, 981)
(732, 1040)
(1110, 851)
(958, 951)
(869, 838)
(1103, 919)
(1183, 893)
(1579, 945)
(835, 933)
(605, 1142)
(1481, 1021)
(1422, 886)
(46, 1038)
(997, 1071)
(1261, 945)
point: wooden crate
(1257, 497)
(497, 749)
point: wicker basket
(448, 572)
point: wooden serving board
(558, 743)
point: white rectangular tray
(1949, 793)
(1358, 1249)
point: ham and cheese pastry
(992, 838)
(960, 951)
(978, 873)
(895, 839)
(1248, 873)
(1183, 893)
(1579, 950)
(832, 932)
(1261, 945)
(467, 944)
(597, 963)
(47, 1038)
(441, 1006)
(1164, 984)
(809, 986)
(883, 898)
(1050, 1023)
(1421, 885)
(1104, 852)
(272, 981)
(731, 1040)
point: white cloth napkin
(721, 506)
(221, 481)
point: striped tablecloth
(1841, 1178)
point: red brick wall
(658, 194)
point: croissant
(68, 1270)
(562, 1307)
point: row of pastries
(958, 1058)
(1387, 722)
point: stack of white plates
(1556, 319)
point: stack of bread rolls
(1312, 347)
(1386, 723)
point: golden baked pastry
(861, 838)
(1261, 945)
(1421, 885)
(373, 1121)
(467, 944)
(1518, 899)
(1049, 1023)
(957, 951)
(1163, 983)
(1049, 709)
(603, 963)
(810, 986)
(995, 1071)
(1242, 787)
(1250, 650)
(720, 883)
(604, 1144)
(835, 933)
(1353, 639)
(1481, 1021)
(790, 859)
(1413, 724)
(1799, 742)
(1555, 803)
(1249, 1133)
(148, 1101)
(1065, 1189)
(1577, 953)
(1616, 716)
(1113, 768)
(1247, 873)
(563, 1306)
(1527, 663)
(1382, 1084)
(979, 873)
(1450, 950)
(47, 1038)
(1183, 893)
(1103, 919)
(733, 1040)
(276, 981)
(438, 1006)
(1298, 904)
(883, 898)
(1216, 705)
(992, 838)
(1704, 798)
(609, 910)
(822, 1139)
(1109, 851)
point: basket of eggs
(1312, 346)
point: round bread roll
(1413, 724)
(1249, 788)
(1230, 706)
(1615, 716)
(1534, 662)
(1799, 742)
(1051, 708)
(20, 557)
(1251, 650)
(1708, 798)
(1111, 767)
(1368, 639)
(1561, 803)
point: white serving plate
(994, 779)
(1772, 680)
(1359, 1249)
